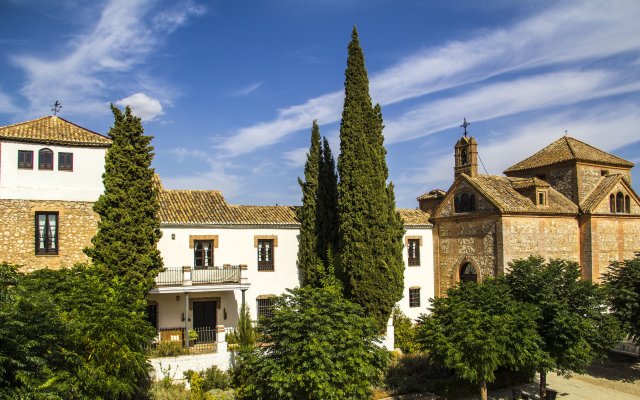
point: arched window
(463, 157)
(464, 202)
(45, 159)
(619, 203)
(627, 204)
(472, 202)
(612, 203)
(468, 273)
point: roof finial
(55, 107)
(464, 125)
(566, 132)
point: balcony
(225, 277)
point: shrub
(405, 332)
(168, 391)
(212, 378)
(168, 349)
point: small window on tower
(603, 172)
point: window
(619, 203)
(414, 297)
(45, 159)
(264, 307)
(65, 161)
(468, 273)
(612, 203)
(265, 255)
(603, 172)
(202, 254)
(627, 204)
(413, 249)
(540, 198)
(463, 157)
(152, 314)
(464, 202)
(25, 159)
(46, 233)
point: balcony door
(205, 320)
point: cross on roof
(55, 107)
(464, 125)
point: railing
(202, 276)
(170, 341)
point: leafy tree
(125, 244)
(246, 332)
(478, 328)
(622, 283)
(404, 332)
(370, 231)
(309, 263)
(573, 321)
(327, 219)
(321, 346)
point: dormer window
(464, 202)
(541, 198)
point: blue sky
(230, 88)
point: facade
(50, 176)
(569, 200)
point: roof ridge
(573, 153)
(80, 126)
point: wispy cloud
(125, 34)
(247, 90)
(570, 33)
(143, 106)
(295, 157)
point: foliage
(193, 335)
(246, 332)
(573, 320)
(212, 378)
(168, 349)
(622, 284)
(125, 244)
(370, 230)
(405, 332)
(478, 328)
(321, 346)
(327, 207)
(309, 263)
(172, 391)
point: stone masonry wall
(77, 225)
(590, 175)
(462, 240)
(482, 205)
(549, 237)
(562, 177)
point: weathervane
(55, 107)
(566, 132)
(464, 125)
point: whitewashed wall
(84, 183)
(236, 246)
(418, 276)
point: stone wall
(482, 205)
(562, 177)
(604, 207)
(77, 225)
(590, 175)
(465, 239)
(549, 237)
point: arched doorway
(468, 273)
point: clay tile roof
(434, 194)
(527, 183)
(413, 217)
(568, 149)
(53, 130)
(500, 191)
(606, 184)
(208, 207)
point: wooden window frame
(22, 164)
(413, 257)
(51, 244)
(266, 254)
(462, 269)
(414, 297)
(44, 156)
(204, 259)
(65, 161)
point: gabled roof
(501, 192)
(208, 207)
(414, 217)
(605, 186)
(433, 194)
(53, 130)
(568, 149)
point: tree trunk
(483, 390)
(543, 385)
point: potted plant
(193, 337)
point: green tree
(327, 219)
(246, 332)
(573, 321)
(311, 266)
(321, 346)
(622, 284)
(125, 244)
(370, 231)
(478, 328)
(404, 332)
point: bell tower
(466, 153)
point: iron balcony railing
(200, 276)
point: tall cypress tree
(370, 233)
(327, 220)
(308, 260)
(129, 229)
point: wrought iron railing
(170, 276)
(199, 276)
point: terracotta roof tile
(501, 192)
(434, 194)
(606, 184)
(413, 217)
(568, 149)
(53, 130)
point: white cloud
(122, 38)
(247, 90)
(7, 105)
(569, 33)
(296, 157)
(143, 106)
